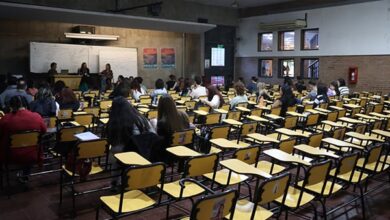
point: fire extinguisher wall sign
(353, 75)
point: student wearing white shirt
(214, 98)
(159, 90)
(197, 90)
(136, 90)
(344, 90)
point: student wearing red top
(18, 120)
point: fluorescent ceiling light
(91, 36)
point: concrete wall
(16, 35)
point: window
(310, 68)
(286, 40)
(286, 68)
(310, 39)
(265, 68)
(265, 42)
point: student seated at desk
(313, 91)
(197, 89)
(44, 103)
(57, 89)
(333, 89)
(124, 122)
(344, 90)
(252, 86)
(286, 100)
(136, 90)
(159, 90)
(122, 90)
(183, 87)
(322, 96)
(20, 90)
(18, 120)
(171, 83)
(214, 98)
(240, 95)
(300, 85)
(68, 100)
(169, 120)
(53, 69)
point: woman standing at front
(106, 78)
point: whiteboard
(122, 61)
(70, 56)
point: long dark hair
(168, 113)
(68, 96)
(17, 102)
(336, 87)
(212, 92)
(322, 89)
(122, 120)
(135, 85)
(287, 99)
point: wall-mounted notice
(218, 56)
(150, 57)
(168, 58)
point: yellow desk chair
(131, 198)
(271, 190)
(86, 120)
(190, 105)
(194, 167)
(93, 151)
(17, 141)
(347, 173)
(215, 206)
(104, 106)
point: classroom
(194, 109)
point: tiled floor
(41, 201)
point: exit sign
(219, 46)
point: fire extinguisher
(353, 75)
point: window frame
(302, 74)
(280, 60)
(280, 39)
(303, 38)
(259, 68)
(260, 41)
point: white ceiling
(241, 3)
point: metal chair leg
(362, 201)
(167, 213)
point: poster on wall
(150, 58)
(168, 59)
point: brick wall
(374, 71)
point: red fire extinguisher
(353, 75)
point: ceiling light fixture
(91, 36)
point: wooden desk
(240, 167)
(285, 157)
(227, 144)
(262, 138)
(366, 117)
(131, 158)
(315, 151)
(363, 137)
(201, 112)
(293, 133)
(232, 122)
(385, 134)
(222, 111)
(274, 117)
(243, 109)
(337, 108)
(341, 144)
(257, 118)
(71, 81)
(182, 151)
(296, 114)
(104, 120)
(323, 110)
(351, 106)
(379, 115)
(351, 121)
(313, 111)
(333, 124)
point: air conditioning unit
(283, 25)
